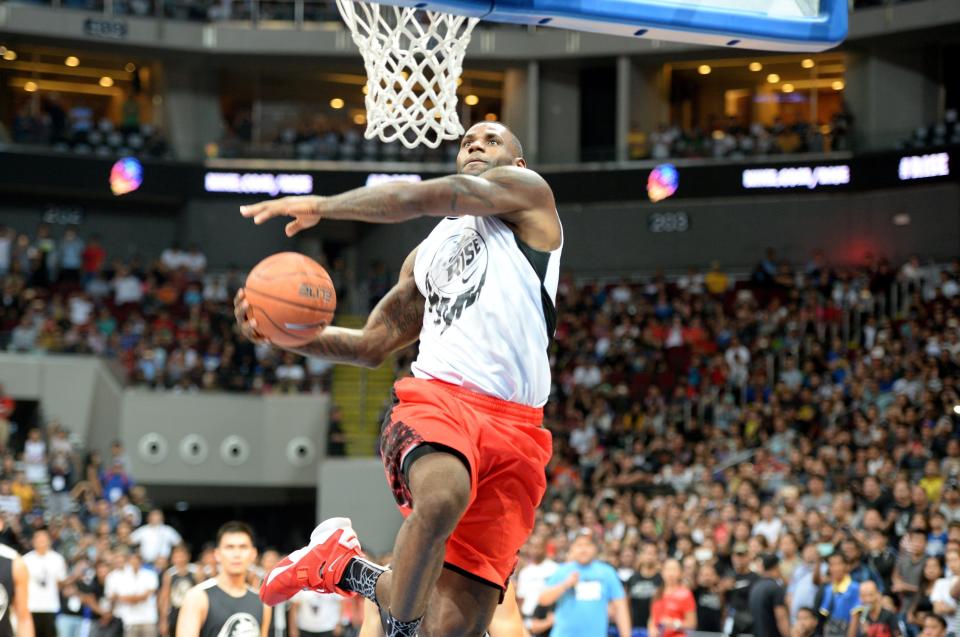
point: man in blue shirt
(585, 591)
(840, 596)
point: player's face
(235, 553)
(486, 146)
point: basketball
(291, 297)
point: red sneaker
(317, 566)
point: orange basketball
(291, 297)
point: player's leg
(460, 606)
(439, 484)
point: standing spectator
(115, 481)
(127, 288)
(840, 596)
(47, 570)
(881, 559)
(176, 581)
(35, 457)
(23, 490)
(314, 614)
(336, 437)
(586, 592)
(93, 257)
(156, 539)
(70, 620)
(71, 256)
(738, 583)
(195, 261)
(7, 407)
(767, 604)
(909, 570)
(870, 618)
(709, 598)
(7, 236)
(132, 591)
(643, 585)
(674, 611)
(532, 578)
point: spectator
(47, 570)
(71, 256)
(870, 618)
(532, 578)
(806, 623)
(115, 481)
(642, 587)
(767, 604)
(155, 539)
(93, 258)
(708, 596)
(7, 406)
(313, 614)
(944, 603)
(934, 626)
(840, 596)
(739, 580)
(909, 570)
(585, 592)
(35, 457)
(336, 437)
(674, 610)
(132, 590)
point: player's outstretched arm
(392, 325)
(193, 613)
(509, 191)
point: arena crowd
(776, 451)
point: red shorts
(507, 452)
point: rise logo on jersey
(456, 276)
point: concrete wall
(198, 439)
(357, 489)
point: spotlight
(755, 67)
(72, 61)
(773, 78)
(336, 103)
(704, 69)
(471, 100)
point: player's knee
(443, 508)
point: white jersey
(490, 310)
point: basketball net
(413, 60)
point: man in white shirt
(156, 539)
(133, 592)
(47, 569)
(314, 614)
(944, 604)
(532, 578)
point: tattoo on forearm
(463, 189)
(341, 348)
(402, 318)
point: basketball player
(507, 620)
(463, 447)
(224, 606)
(14, 588)
(177, 581)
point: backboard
(774, 25)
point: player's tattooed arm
(392, 325)
(505, 191)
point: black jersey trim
(539, 261)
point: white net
(413, 60)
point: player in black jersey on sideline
(14, 586)
(225, 606)
(177, 581)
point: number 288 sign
(659, 222)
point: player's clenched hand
(246, 323)
(304, 210)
